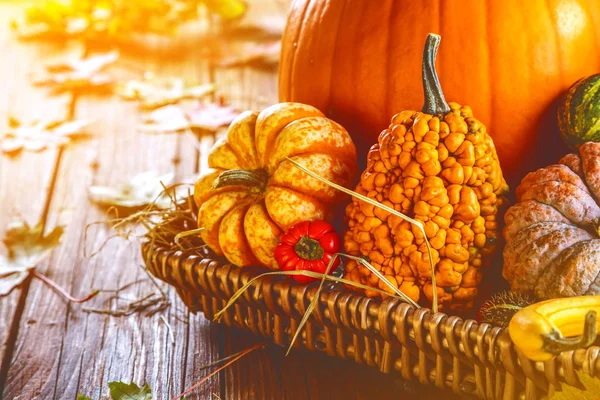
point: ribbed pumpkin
(440, 167)
(579, 112)
(552, 238)
(254, 193)
(512, 58)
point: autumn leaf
(143, 190)
(262, 24)
(153, 93)
(40, 135)
(208, 117)
(166, 119)
(255, 54)
(212, 116)
(123, 391)
(591, 389)
(50, 19)
(79, 75)
(108, 21)
(226, 9)
(27, 247)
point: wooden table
(52, 349)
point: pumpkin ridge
(318, 204)
(321, 191)
(210, 233)
(248, 118)
(553, 284)
(553, 173)
(557, 43)
(295, 43)
(555, 193)
(335, 51)
(590, 156)
(530, 260)
(490, 66)
(555, 267)
(514, 214)
(594, 285)
(343, 157)
(332, 138)
(389, 47)
(592, 281)
(273, 120)
(218, 160)
(573, 162)
(523, 239)
(262, 242)
(235, 251)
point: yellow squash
(543, 330)
(254, 193)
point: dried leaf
(209, 117)
(212, 116)
(257, 27)
(40, 135)
(107, 21)
(124, 391)
(226, 9)
(153, 93)
(590, 392)
(26, 247)
(255, 54)
(165, 119)
(145, 189)
(79, 75)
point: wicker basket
(416, 344)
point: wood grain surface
(52, 349)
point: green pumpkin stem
(241, 177)
(435, 103)
(555, 344)
(309, 249)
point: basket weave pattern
(394, 337)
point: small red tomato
(308, 246)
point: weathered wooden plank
(25, 179)
(81, 351)
(269, 374)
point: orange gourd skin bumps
(440, 170)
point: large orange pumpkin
(356, 59)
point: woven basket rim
(436, 336)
